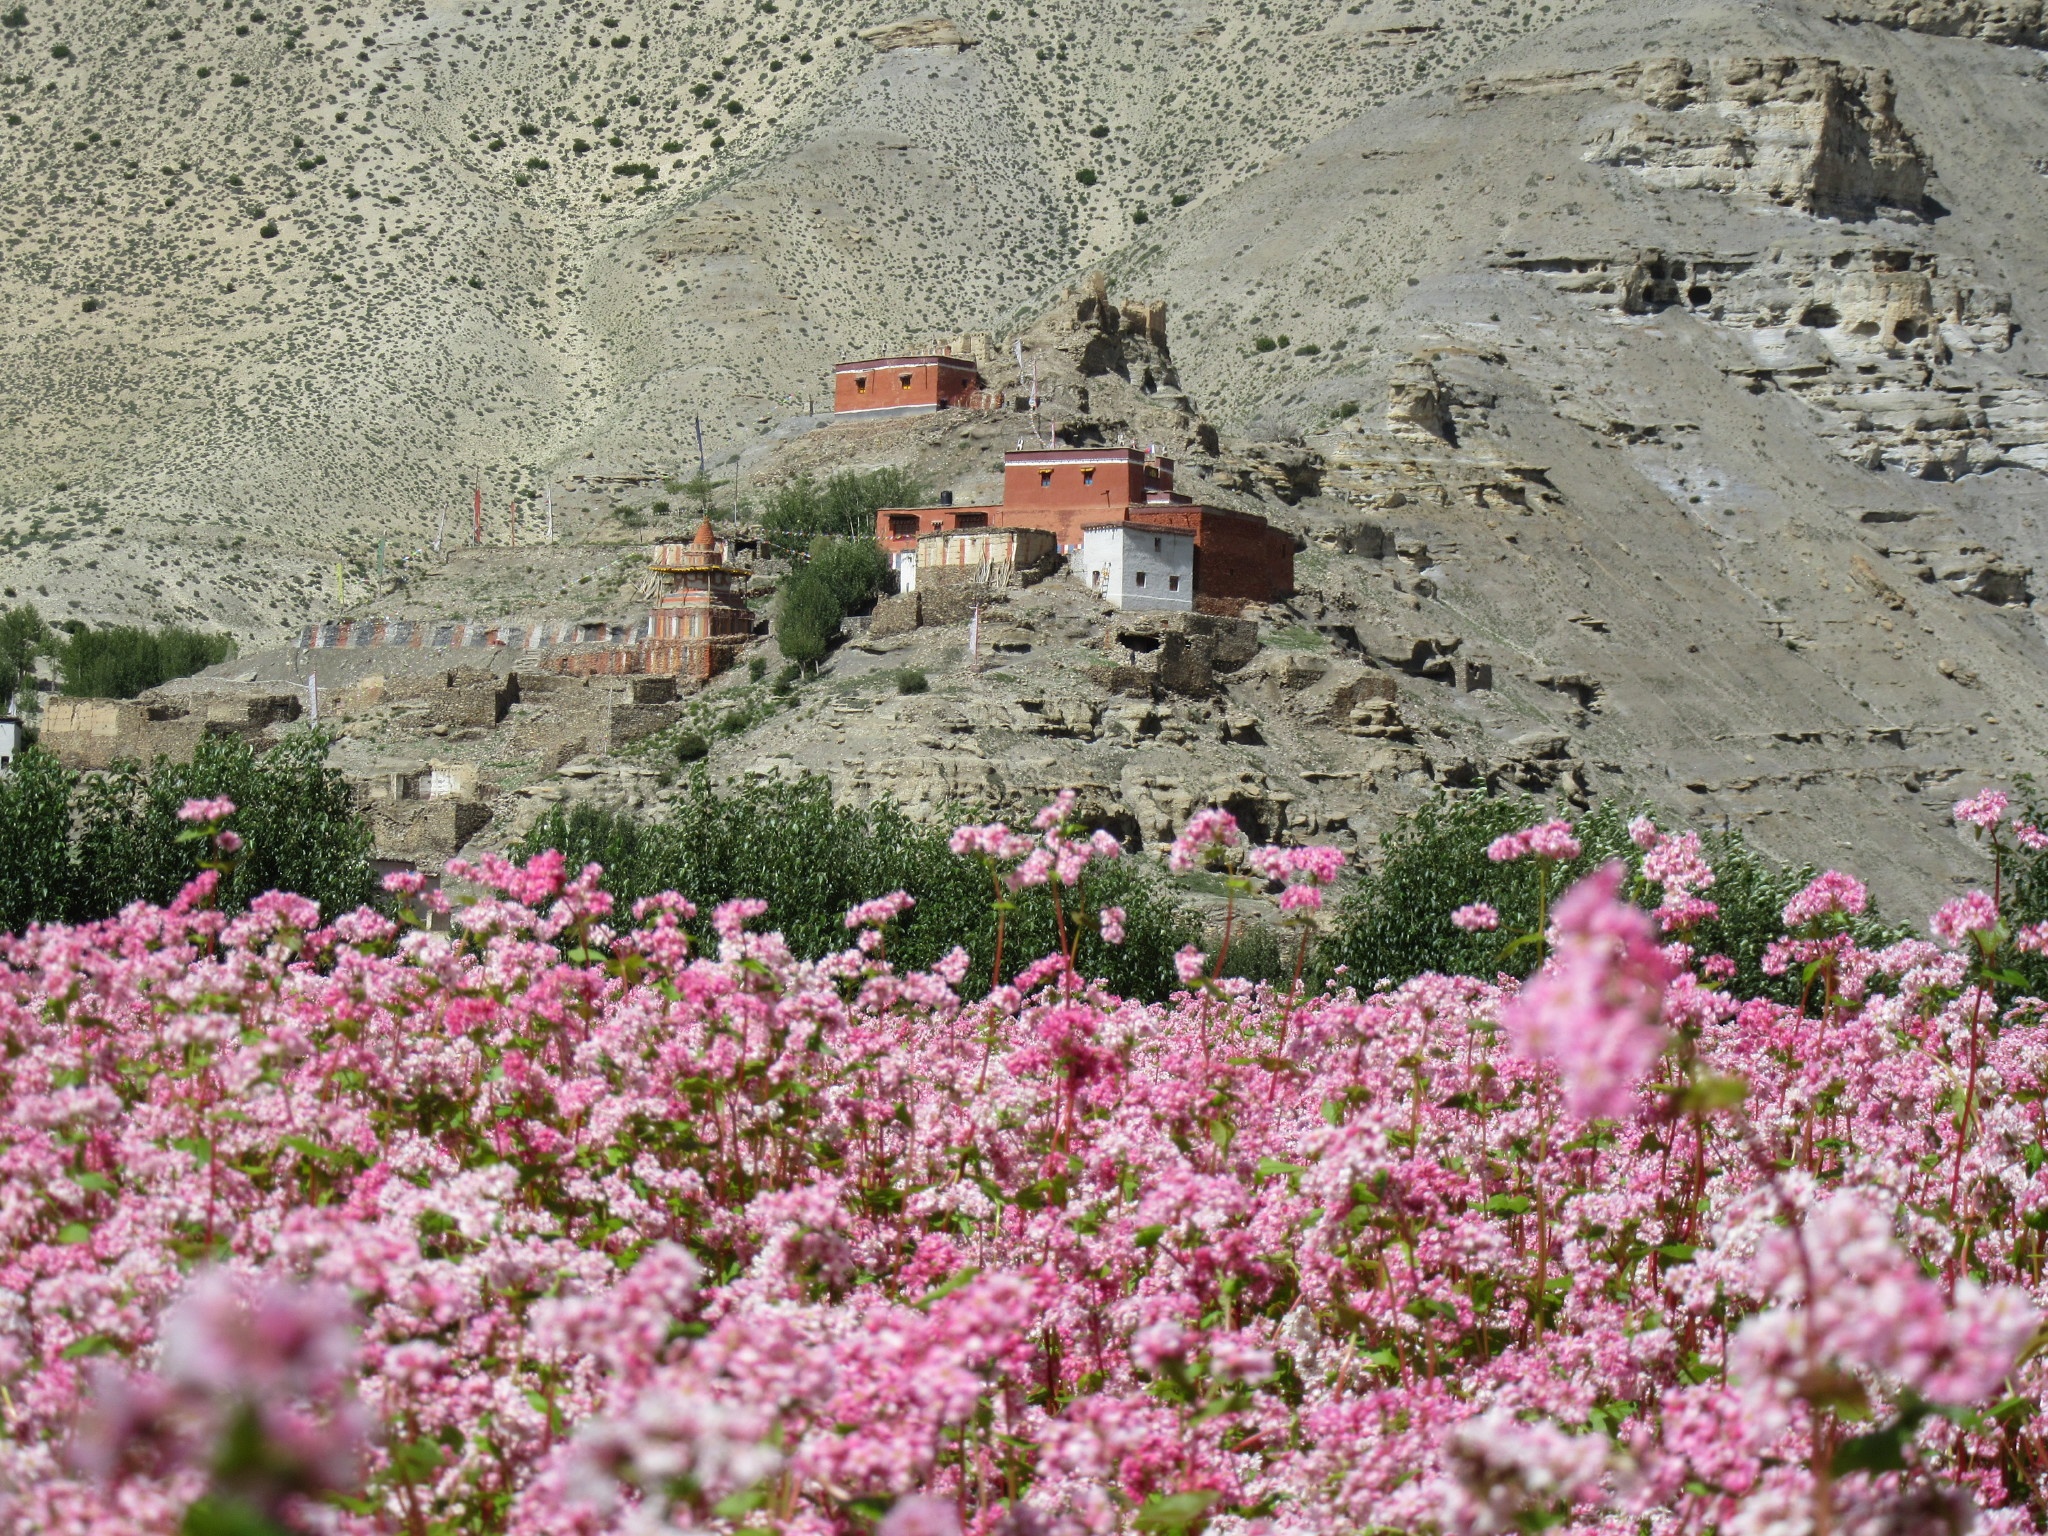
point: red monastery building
(903, 386)
(1238, 557)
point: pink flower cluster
(1207, 832)
(1549, 840)
(543, 1224)
(1304, 871)
(1594, 1008)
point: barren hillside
(1677, 368)
(278, 283)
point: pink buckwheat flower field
(533, 1220)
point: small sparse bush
(1263, 344)
(90, 306)
(15, 19)
(1179, 199)
(1308, 349)
(1140, 216)
(910, 680)
(238, 79)
(60, 51)
(690, 746)
(1086, 176)
(757, 668)
(1347, 410)
(1099, 131)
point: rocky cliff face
(1803, 133)
(2014, 23)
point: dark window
(903, 379)
(1087, 477)
(902, 525)
(971, 520)
(860, 384)
(1044, 478)
(1139, 580)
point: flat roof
(1157, 530)
(928, 359)
(1081, 455)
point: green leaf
(1676, 1253)
(197, 1147)
(1713, 1092)
(959, 1279)
(91, 1344)
(733, 1505)
(211, 1516)
(1506, 1205)
(1882, 1450)
(74, 1233)
(1174, 1512)
(1272, 1167)
(93, 1183)
(414, 1460)
(1148, 1237)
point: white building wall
(1137, 568)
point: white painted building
(1140, 568)
(10, 739)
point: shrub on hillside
(807, 618)
(854, 570)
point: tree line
(116, 661)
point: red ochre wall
(934, 382)
(1236, 556)
(1063, 479)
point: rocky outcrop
(1418, 405)
(1182, 653)
(1103, 372)
(1893, 346)
(2013, 23)
(1806, 133)
(1810, 134)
